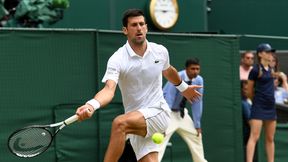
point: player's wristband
(182, 86)
(94, 103)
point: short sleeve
(253, 75)
(112, 70)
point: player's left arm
(188, 92)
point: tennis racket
(33, 140)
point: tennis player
(137, 67)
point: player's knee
(269, 138)
(255, 136)
(119, 125)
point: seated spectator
(246, 109)
(281, 94)
(246, 102)
(282, 77)
(247, 60)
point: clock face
(164, 13)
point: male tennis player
(137, 67)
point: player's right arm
(104, 96)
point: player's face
(136, 30)
(192, 71)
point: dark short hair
(131, 13)
(192, 61)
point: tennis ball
(157, 138)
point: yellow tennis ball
(157, 138)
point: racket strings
(30, 142)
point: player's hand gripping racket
(35, 139)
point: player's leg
(255, 126)
(130, 123)
(157, 120)
(173, 126)
(189, 134)
(151, 157)
(270, 127)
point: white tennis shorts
(157, 120)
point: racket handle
(71, 120)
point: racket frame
(60, 126)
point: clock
(164, 13)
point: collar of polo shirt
(132, 53)
(186, 78)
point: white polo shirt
(139, 78)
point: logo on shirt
(156, 61)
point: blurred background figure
(281, 76)
(246, 104)
(32, 13)
(281, 94)
(247, 61)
